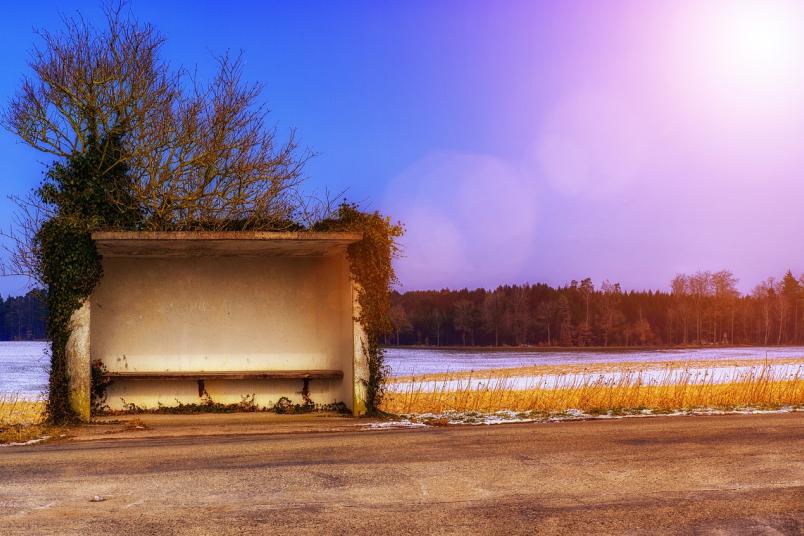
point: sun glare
(758, 43)
(741, 63)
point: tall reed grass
(15, 410)
(21, 420)
(674, 389)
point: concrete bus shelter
(181, 316)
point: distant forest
(22, 318)
(703, 308)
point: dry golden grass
(20, 419)
(16, 410)
(676, 390)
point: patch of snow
(454, 418)
(388, 425)
(25, 443)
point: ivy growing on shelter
(372, 268)
(83, 194)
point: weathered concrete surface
(214, 425)
(687, 475)
(219, 313)
(78, 361)
(360, 369)
(222, 243)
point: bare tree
(437, 318)
(724, 287)
(781, 308)
(584, 330)
(200, 154)
(545, 316)
(700, 286)
(765, 293)
(642, 331)
(587, 289)
(463, 319)
(611, 295)
(400, 321)
(23, 258)
(680, 289)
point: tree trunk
(731, 339)
(686, 328)
(781, 324)
(716, 338)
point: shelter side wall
(78, 362)
(223, 314)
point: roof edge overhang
(222, 243)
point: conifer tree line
(703, 308)
(22, 318)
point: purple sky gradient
(521, 141)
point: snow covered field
(23, 365)
(23, 368)
(415, 361)
(453, 418)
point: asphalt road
(685, 475)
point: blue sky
(518, 141)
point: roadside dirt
(212, 424)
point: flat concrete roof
(221, 243)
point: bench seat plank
(229, 375)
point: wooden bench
(229, 375)
(202, 376)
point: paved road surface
(688, 475)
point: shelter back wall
(212, 313)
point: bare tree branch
(201, 155)
(21, 253)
